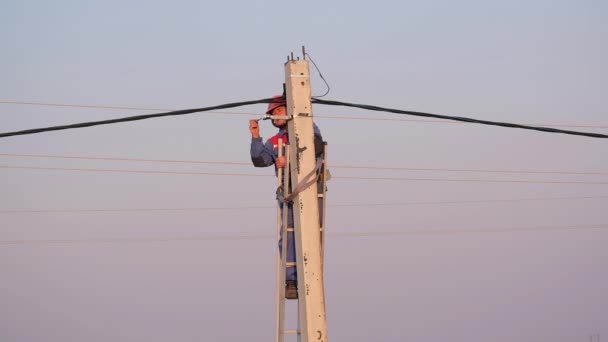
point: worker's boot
(291, 289)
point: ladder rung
(290, 331)
(290, 229)
(288, 264)
(320, 195)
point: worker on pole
(266, 154)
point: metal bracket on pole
(276, 117)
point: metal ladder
(282, 264)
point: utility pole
(303, 171)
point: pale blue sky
(539, 62)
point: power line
(124, 159)
(133, 118)
(470, 231)
(133, 171)
(457, 118)
(314, 100)
(334, 177)
(466, 180)
(445, 122)
(81, 106)
(258, 114)
(470, 201)
(62, 211)
(397, 168)
(66, 211)
(260, 237)
(147, 239)
(363, 167)
(320, 75)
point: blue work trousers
(291, 271)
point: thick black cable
(314, 100)
(456, 118)
(69, 105)
(134, 118)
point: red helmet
(277, 101)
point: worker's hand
(280, 161)
(254, 128)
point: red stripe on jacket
(275, 140)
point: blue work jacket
(265, 154)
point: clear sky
(459, 272)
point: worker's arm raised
(261, 153)
(254, 128)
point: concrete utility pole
(309, 256)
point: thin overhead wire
(320, 75)
(458, 118)
(173, 161)
(314, 100)
(337, 235)
(133, 118)
(481, 201)
(73, 105)
(471, 231)
(362, 118)
(361, 167)
(134, 171)
(333, 177)
(398, 168)
(257, 114)
(144, 239)
(130, 210)
(467, 180)
(358, 205)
